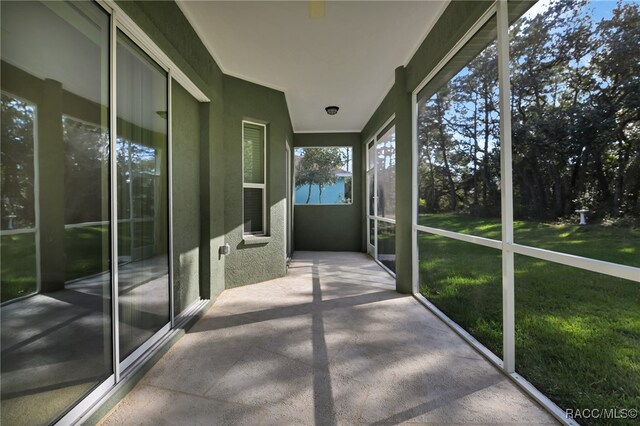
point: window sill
(256, 239)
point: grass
(18, 253)
(387, 243)
(86, 253)
(577, 332)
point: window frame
(262, 186)
(350, 203)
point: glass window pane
(458, 142)
(577, 334)
(56, 343)
(253, 153)
(386, 173)
(464, 281)
(576, 131)
(386, 249)
(323, 175)
(143, 281)
(253, 214)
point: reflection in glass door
(56, 282)
(18, 208)
(142, 197)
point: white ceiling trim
(325, 131)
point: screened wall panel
(458, 142)
(576, 144)
(557, 195)
(577, 334)
(465, 282)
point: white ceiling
(347, 58)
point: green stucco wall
(331, 227)
(171, 31)
(186, 192)
(220, 158)
(252, 263)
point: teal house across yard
(338, 193)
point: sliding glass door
(142, 196)
(73, 315)
(56, 272)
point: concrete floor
(331, 343)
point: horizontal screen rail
(487, 242)
(600, 266)
(594, 265)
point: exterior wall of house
(331, 227)
(251, 263)
(186, 188)
(220, 154)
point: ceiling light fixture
(332, 110)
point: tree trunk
(445, 160)
(309, 194)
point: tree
(17, 164)
(318, 167)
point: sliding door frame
(120, 21)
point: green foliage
(17, 163)
(17, 266)
(576, 120)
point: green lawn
(86, 253)
(577, 332)
(18, 253)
